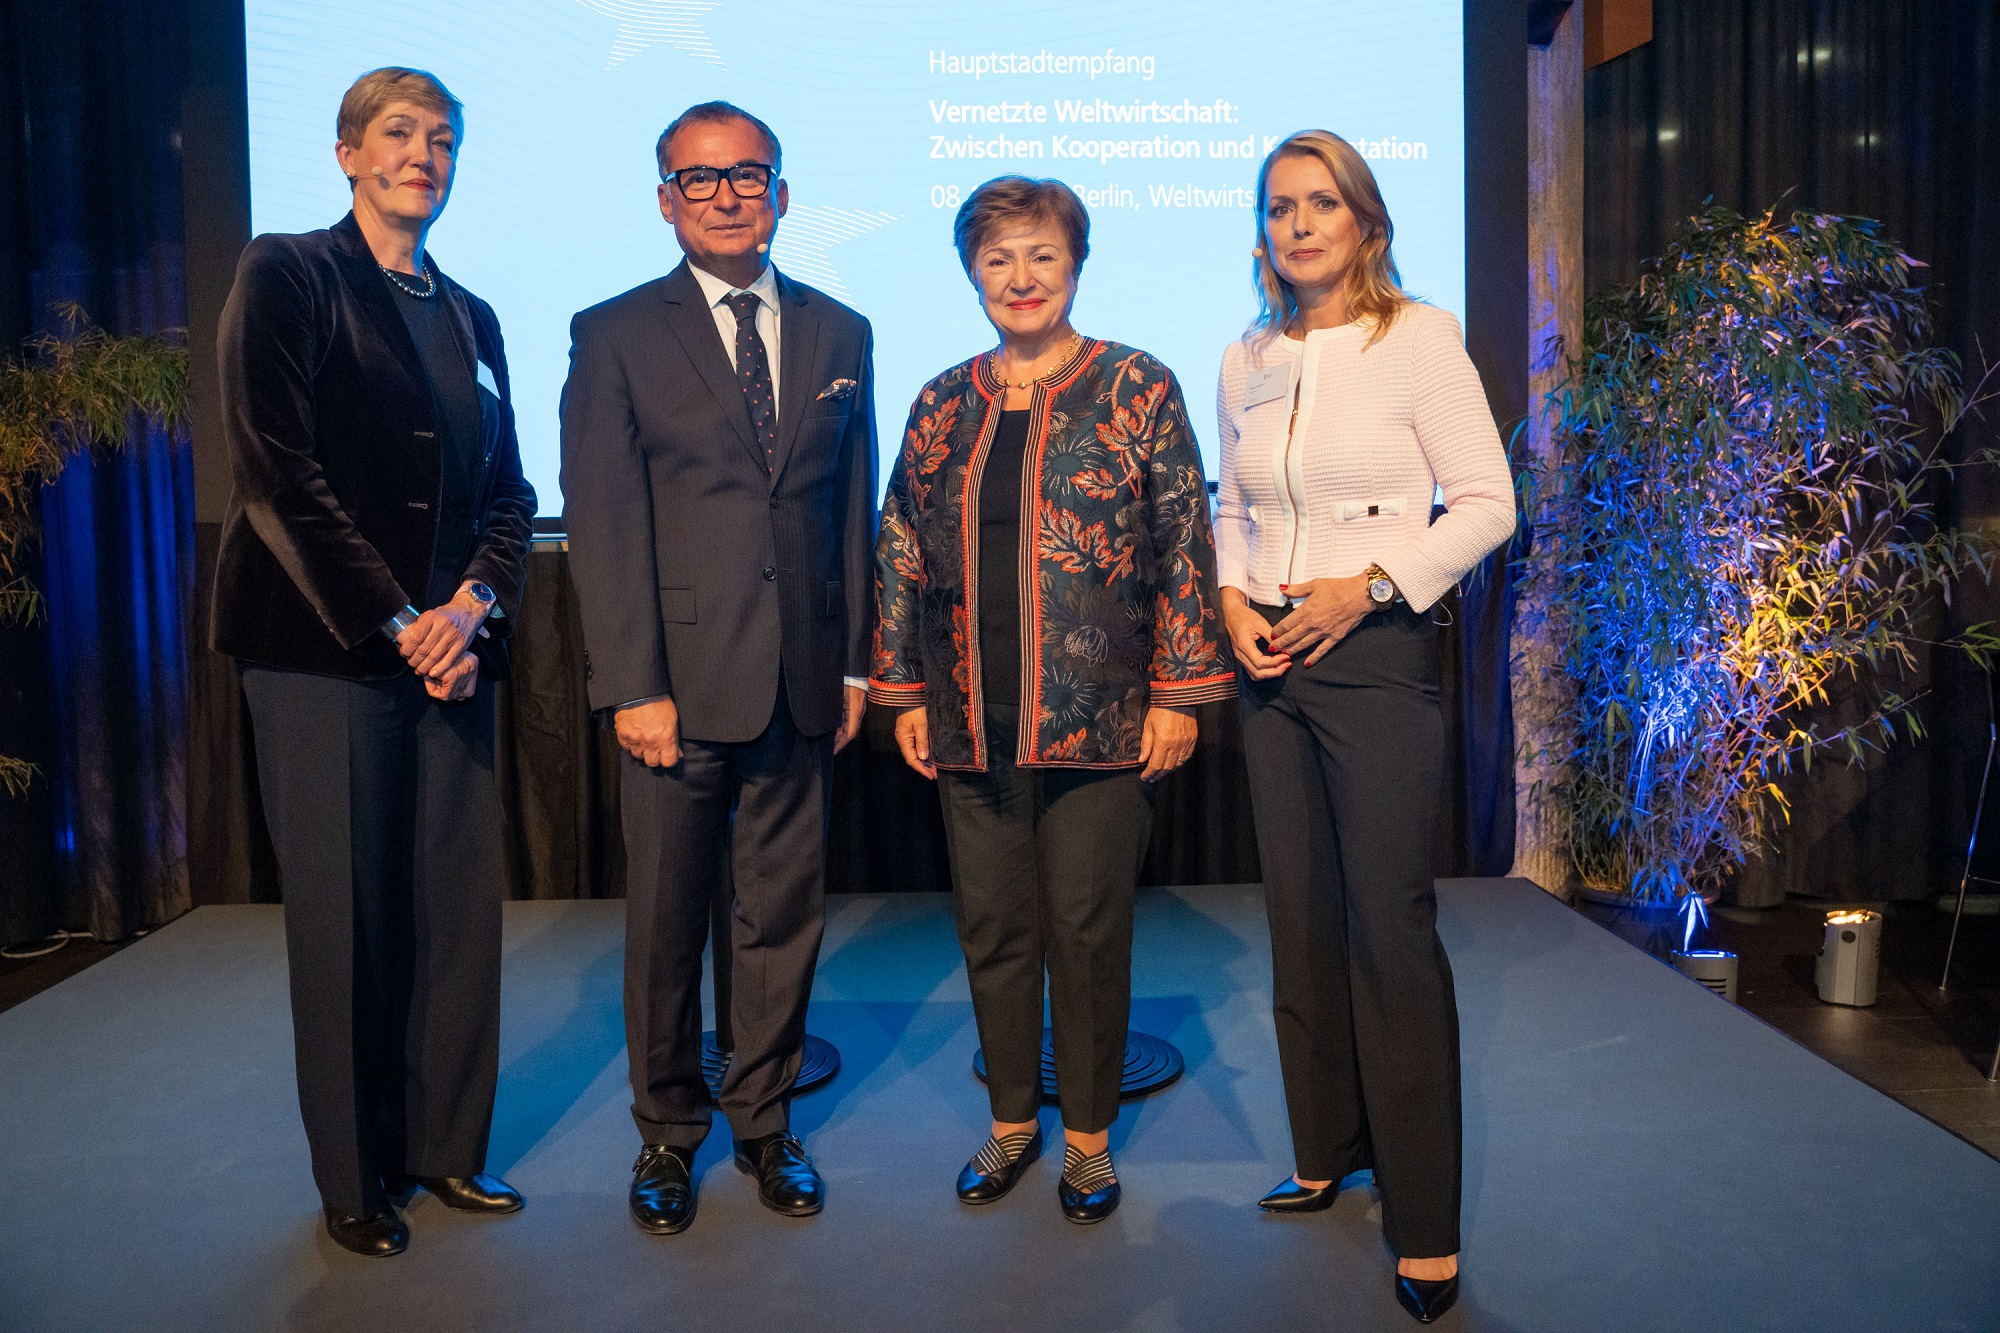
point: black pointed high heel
(1292, 1197)
(1426, 1301)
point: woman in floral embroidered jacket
(1123, 562)
(1048, 618)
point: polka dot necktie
(753, 371)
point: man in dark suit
(718, 475)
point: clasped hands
(1165, 744)
(436, 646)
(1329, 612)
(651, 732)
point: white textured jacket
(1350, 482)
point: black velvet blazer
(336, 461)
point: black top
(455, 397)
(1000, 561)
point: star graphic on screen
(642, 23)
(810, 231)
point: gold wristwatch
(1381, 588)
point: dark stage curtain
(99, 689)
(1884, 108)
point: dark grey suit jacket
(697, 571)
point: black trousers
(384, 816)
(1346, 758)
(1044, 865)
(677, 824)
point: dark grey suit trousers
(677, 824)
(1044, 867)
(1346, 759)
(385, 819)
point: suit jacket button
(770, 574)
(774, 502)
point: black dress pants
(1044, 866)
(677, 823)
(385, 819)
(1345, 759)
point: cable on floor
(47, 945)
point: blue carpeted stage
(1640, 1154)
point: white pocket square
(836, 390)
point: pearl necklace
(1062, 355)
(429, 274)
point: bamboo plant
(1738, 516)
(69, 392)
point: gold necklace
(1061, 355)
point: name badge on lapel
(486, 380)
(1268, 385)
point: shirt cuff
(634, 703)
(854, 682)
(394, 626)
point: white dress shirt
(717, 293)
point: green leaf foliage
(1736, 516)
(68, 393)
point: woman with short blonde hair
(373, 548)
(1343, 410)
(372, 93)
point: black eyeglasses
(747, 179)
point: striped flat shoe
(995, 1167)
(1088, 1190)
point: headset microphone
(763, 249)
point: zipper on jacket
(1291, 428)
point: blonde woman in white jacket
(1343, 411)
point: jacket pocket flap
(677, 605)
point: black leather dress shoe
(471, 1194)
(1426, 1301)
(663, 1190)
(1292, 1197)
(378, 1237)
(786, 1181)
(980, 1186)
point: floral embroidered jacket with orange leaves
(1117, 572)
